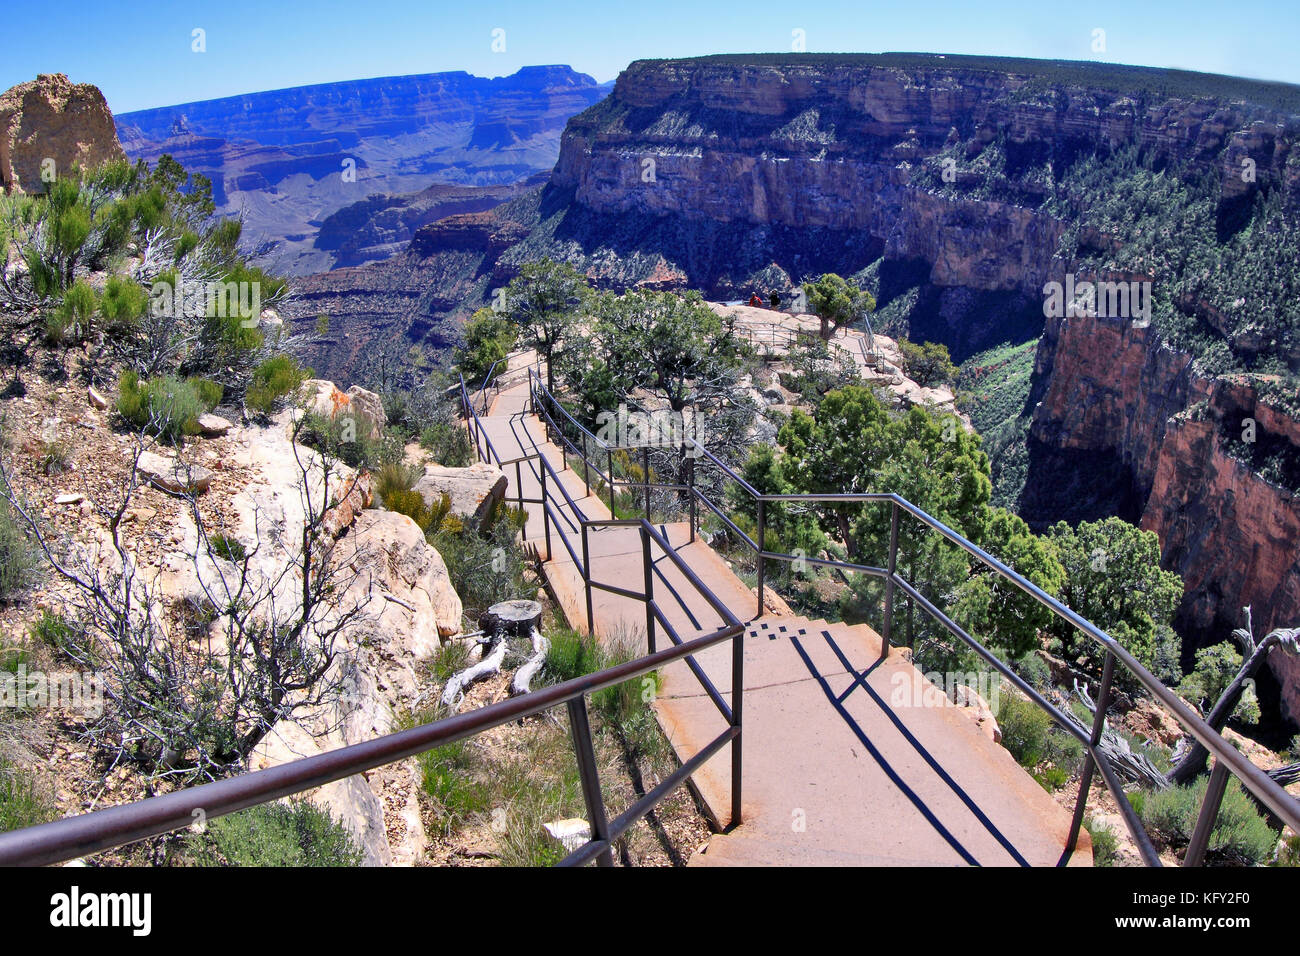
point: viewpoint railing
(1228, 759)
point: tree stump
(502, 621)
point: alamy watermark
(660, 429)
(1104, 299)
(936, 689)
(67, 690)
(217, 299)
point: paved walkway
(842, 763)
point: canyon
(290, 160)
(732, 174)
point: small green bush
(1105, 845)
(571, 655)
(52, 630)
(209, 392)
(22, 803)
(70, 322)
(447, 776)
(276, 835)
(395, 476)
(1241, 837)
(449, 444)
(1024, 729)
(164, 406)
(123, 303)
(272, 380)
(17, 556)
(232, 549)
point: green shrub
(276, 835)
(22, 803)
(164, 406)
(70, 322)
(928, 364)
(123, 303)
(232, 549)
(1241, 837)
(571, 655)
(52, 630)
(209, 392)
(1024, 729)
(447, 776)
(488, 339)
(395, 476)
(486, 566)
(448, 443)
(1105, 845)
(275, 378)
(17, 556)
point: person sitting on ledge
(755, 301)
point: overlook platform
(844, 763)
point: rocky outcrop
(360, 407)
(474, 492)
(53, 123)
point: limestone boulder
(213, 426)
(410, 590)
(475, 491)
(52, 120)
(170, 474)
(362, 407)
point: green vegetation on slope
(992, 389)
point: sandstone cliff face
(1114, 395)
(832, 146)
(52, 118)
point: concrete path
(848, 759)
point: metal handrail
(1264, 788)
(79, 836)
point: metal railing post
(737, 705)
(586, 468)
(1089, 765)
(762, 547)
(649, 590)
(609, 471)
(586, 580)
(580, 728)
(645, 476)
(1209, 815)
(690, 491)
(888, 630)
(519, 485)
(546, 512)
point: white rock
(213, 426)
(572, 832)
(172, 475)
(96, 399)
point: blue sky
(139, 53)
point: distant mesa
(331, 148)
